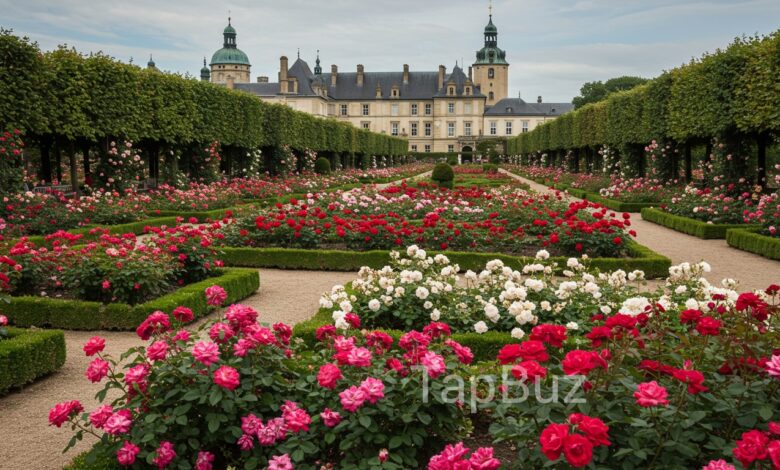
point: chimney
(282, 69)
(470, 77)
(262, 79)
(442, 71)
(334, 70)
(230, 83)
(360, 75)
(539, 99)
(406, 74)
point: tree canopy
(592, 92)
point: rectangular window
(427, 148)
(394, 110)
(467, 129)
(365, 110)
(493, 127)
(343, 110)
(525, 126)
(427, 129)
(451, 108)
(450, 129)
(366, 124)
(394, 128)
(414, 147)
(428, 109)
(414, 109)
(414, 129)
(467, 108)
(509, 128)
(450, 148)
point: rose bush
(238, 393)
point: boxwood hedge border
(81, 315)
(28, 354)
(643, 258)
(748, 239)
(613, 204)
(690, 226)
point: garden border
(690, 226)
(613, 204)
(653, 264)
(29, 354)
(82, 315)
(748, 239)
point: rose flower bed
(235, 393)
(500, 220)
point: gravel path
(752, 271)
(26, 439)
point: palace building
(437, 111)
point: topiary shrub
(443, 175)
(322, 166)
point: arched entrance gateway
(466, 154)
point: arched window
(491, 72)
(451, 91)
(490, 95)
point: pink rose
(136, 374)
(165, 454)
(215, 296)
(127, 453)
(374, 389)
(204, 461)
(718, 465)
(221, 332)
(280, 462)
(328, 375)
(330, 417)
(359, 357)
(3, 320)
(295, 419)
(96, 370)
(183, 314)
(119, 422)
(61, 412)
(226, 377)
(106, 285)
(352, 398)
(482, 459)
(651, 394)
(205, 352)
(434, 364)
(157, 351)
(99, 417)
(383, 455)
(94, 345)
(773, 366)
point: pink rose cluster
(293, 420)
(456, 457)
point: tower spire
(317, 68)
(490, 9)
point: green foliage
(618, 206)
(29, 354)
(80, 315)
(442, 173)
(591, 92)
(693, 227)
(757, 96)
(322, 166)
(747, 239)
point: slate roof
(260, 89)
(518, 107)
(459, 79)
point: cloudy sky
(553, 46)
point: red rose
(693, 378)
(579, 362)
(554, 335)
(773, 449)
(593, 428)
(552, 438)
(708, 326)
(578, 450)
(328, 375)
(752, 446)
(529, 371)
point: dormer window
(451, 90)
(467, 91)
(491, 72)
(509, 110)
(395, 93)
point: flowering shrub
(204, 163)
(767, 214)
(11, 165)
(287, 161)
(503, 219)
(724, 204)
(416, 289)
(120, 168)
(664, 387)
(640, 190)
(114, 268)
(237, 393)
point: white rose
(427, 305)
(374, 305)
(518, 333)
(435, 314)
(542, 254)
(422, 293)
(480, 327)
(572, 326)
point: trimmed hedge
(748, 239)
(615, 205)
(653, 264)
(81, 315)
(29, 354)
(100, 463)
(690, 226)
(484, 346)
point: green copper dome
(491, 53)
(491, 28)
(230, 55)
